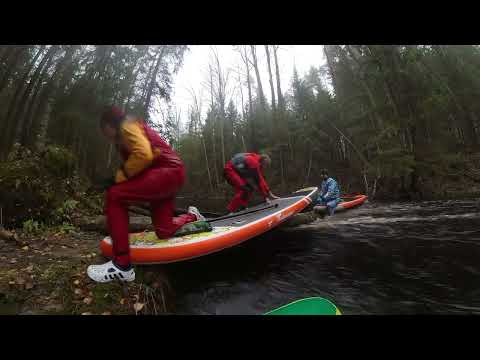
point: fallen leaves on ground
(138, 306)
(87, 300)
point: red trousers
(242, 196)
(156, 186)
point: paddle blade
(309, 306)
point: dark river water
(396, 258)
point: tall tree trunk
(310, 158)
(214, 123)
(145, 87)
(10, 62)
(251, 127)
(328, 51)
(18, 114)
(267, 51)
(249, 84)
(24, 131)
(253, 140)
(259, 81)
(153, 81)
(206, 163)
(281, 101)
(241, 97)
(221, 100)
(133, 79)
(131, 90)
(39, 142)
(5, 52)
(243, 143)
(41, 115)
(10, 123)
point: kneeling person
(152, 172)
(329, 193)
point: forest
(390, 121)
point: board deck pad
(308, 306)
(149, 238)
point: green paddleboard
(308, 306)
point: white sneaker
(108, 272)
(193, 210)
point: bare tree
(220, 94)
(26, 119)
(281, 101)
(10, 119)
(197, 114)
(246, 61)
(257, 73)
(153, 79)
(215, 120)
(267, 51)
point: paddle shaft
(242, 213)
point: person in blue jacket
(329, 194)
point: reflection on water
(402, 258)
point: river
(381, 258)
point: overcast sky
(194, 71)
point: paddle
(307, 306)
(240, 213)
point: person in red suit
(245, 173)
(152, 172)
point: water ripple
(400, 258)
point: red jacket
(142, 147)
(248, 166)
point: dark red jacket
(248, 166)
(163, 154)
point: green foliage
(396, 112)
(32, 188)
(71, 85)
(59, 161)
(395, 163)
(66, 228)
(32, 227)
(65, 211)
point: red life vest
(163, 154)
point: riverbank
(46, 274)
